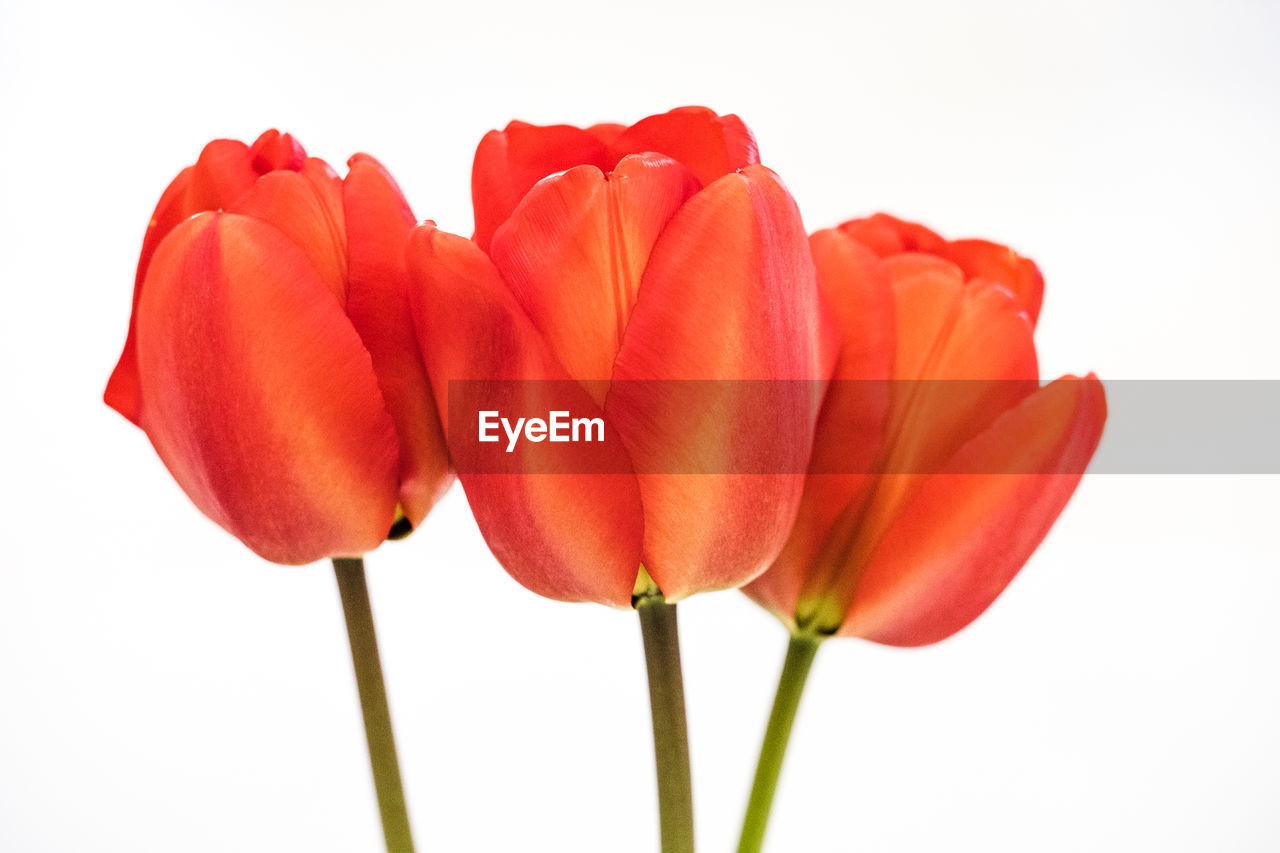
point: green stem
(670, 733)
(800, 654)
(373, 703)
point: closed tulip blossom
(626, 259)
(271, 361)
(617, 257)
(271, 358)
(939, 461)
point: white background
(161, 689)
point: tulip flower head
(928, 492)
(609, 260)
(271, 357)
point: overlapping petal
(970, 528)
(964, 355)
(574, 251)
(728, 294)
(225, 171)
(306, 206)
(569, 536)
(851, 425)
(887, 236)
(993, 262)
(709, 145)
(509, 162)
(378, 222)
(261, 399)
(663, 268)
(967, 461)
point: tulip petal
(993, 262)
(965, 535)
(261, 399)
(378, 222)
(606, 132)
(574, 250)
(964, 356)
(856, 404)
(574, 537)
(509, 162)
(709, 145)
(859, 292)
(306, 206)
(729, 295)
(123, 393)
(275, 150)
(223, 172)
(970, 347)
(887, 235)
(852, 422)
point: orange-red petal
(574, 250)
(509, 162)
(993, 262)
(378, 223)
(573, 537)
(606, 132)
(888, 235)
(851, 424)
(969, 529)
(225, 170)
(964, 355)
(306, 206)
(709, 145)
(123, 393)
(275, 150)
(261, 399)
(728, 295)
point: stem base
(670, 732)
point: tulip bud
(608, 265)
(271, 357)
(939, 462)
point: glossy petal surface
(306, 206)
(852, 422)
(574, 251)
(963, 356)
(993, 262)
(378, 223)
(709, 145)
(887, 235)
(969, 347)
(573, 537)
(223, 172)
(262, 400)
(509, 162)
(964, 536)
(729, 294)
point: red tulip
(271, 357)
(917, 548)
(620, 258)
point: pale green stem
(795, 671)
(373, 703)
